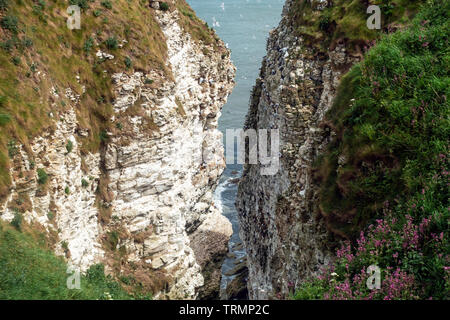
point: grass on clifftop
(198, 29)
(39, 52)
(345, 20)
(385, 177)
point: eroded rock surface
(285, 239)
(155, 218)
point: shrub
(103, 136)
(15, 61)
(128, 280)
(8, 45)
(27, 42)
(65, 246)
(67, 190)
(128, 62)
(83, 4)
(324, 22)
(88, 44)
(164, 6)
(97, 13)
(16, 222)
(33, 67)
(111, 43)
(42, 176)
(12, 148)
(399, 247)
(10, 23)
(69, 146)
(39, 7)
(113, 239)
(3, 5)
(107, 4)
(84, 183)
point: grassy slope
(393, 131)
(346, 21)
(391, 115)
(40, 42)
(34, 38)
(29, 270)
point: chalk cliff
(348, 189)
(285, 238)
(142, 203)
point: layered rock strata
(285, 238)
(156, 218)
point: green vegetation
(28, 270)
(83, 4)
(40, 56)
(128, 62)
(195, 26)
(345, 20)
(104, 136)
(386, 172)
(12, 148)
(69, 146)
(391, 116)
(111, 43)
(42, 176)
(164, 6)
(97, 13)
(10, 23)
(88, 44)
(15, 60)
(107, 4)
(113, 240)
(50, 216)
(3, 5)
(35, 39)
(16, 222)
(4, 119)
(84, 183)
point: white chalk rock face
(159, 173)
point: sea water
(244, 26)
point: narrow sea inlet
(244, 26)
